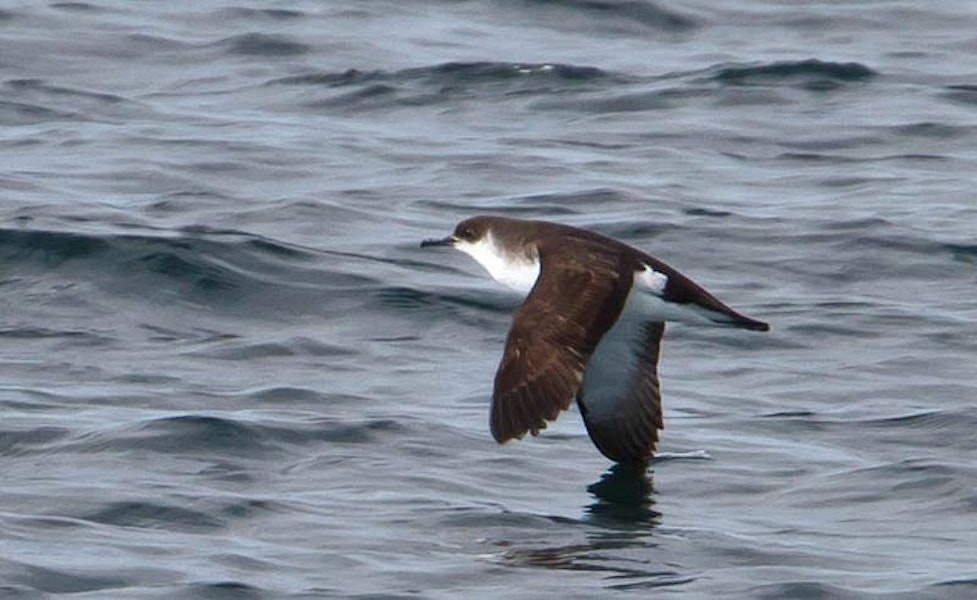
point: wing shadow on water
(623, 498)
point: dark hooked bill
(448, 241)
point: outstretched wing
(620, 398)
(553, 334)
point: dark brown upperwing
(576, 299)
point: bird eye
(468, 234)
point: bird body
(589, 329)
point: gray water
(228, 371)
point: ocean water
(227, 370)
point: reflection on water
(613, 537)
(624, 497)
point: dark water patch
(79, 337)
(833, 143)
(299, 395)
(929, 129)
(56, 581)
(228, 472)
(963, 94)
(789, 414)
(811, 74)
(299, 346)
(817, 157)
(858, 225)
(196, 334)
(7, 15)
(707, 212)
(22, 113)
(154, 515)
(248, 508)
(850, 182)
(203, 276)
(147, 42)
(746, 96)
(275, 248)
(154, 379)
(965, 253)
(80, 7)
(273, 14)
(804, 589)
(317, 431)
(196, 435)
(222, 590)
(459, 73)
(80, 103)
(911, 159)
(618, 94)
(372, 431)
(201, 433)
(450, 82)
(629, 102)
(183, 435)
(263, 45)
(15, 442)
(372, 95)
(329, 79)
(404, 298)
(621, 12)
(48, 247)
(957, 588)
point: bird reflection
(617, 523)
(624, 497)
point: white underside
(518, 275)
(609, 374)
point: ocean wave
(448, 82)
(194, 263)
(627, 16)
(154, 515)
(961, 93)
(229, 441)
(24, 580)
(33, 100)
(262, 44)
(811, 74)
(550, 86)
(273, 14)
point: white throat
(511, 270)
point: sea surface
(227, 370)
